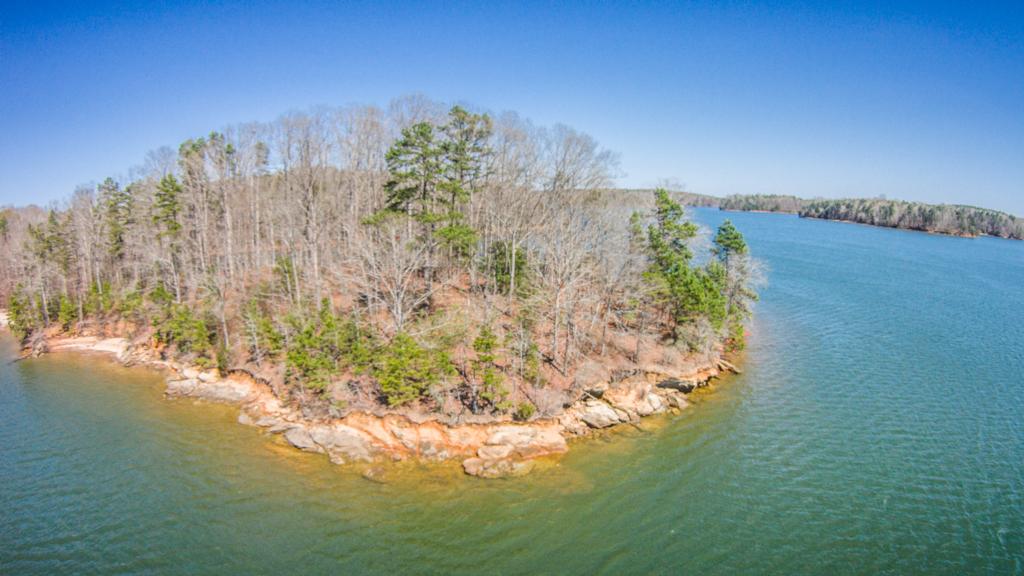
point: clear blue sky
(919, 101)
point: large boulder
(571, 423)
(684, 386)
(226, 390)
(299, 437)
(597, 414)
(181, 387)
(656, 403)
(496, 468)
(677, 400)
(208, 376)
(528, 441)
(635, 399)
(341, 442)
(229, 391)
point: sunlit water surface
(877, 429)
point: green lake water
(878, 428)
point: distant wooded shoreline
(948, 219)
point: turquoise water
(877, 429)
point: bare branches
(242, 242)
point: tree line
(360, 257)
(953, 219)
(762, 203)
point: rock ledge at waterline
(486, 450)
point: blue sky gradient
(922, 101)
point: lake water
(878, 428)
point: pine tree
(464, 154)
(167, 206)
(414, 163)
(117, 206)
(676, 286)
(729, 241)
(733, 275)
(485, 345)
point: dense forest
(950, 219)
(634, 196)
(940, 219)
(419, 256)
(762, 203)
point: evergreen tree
(733, 274)
(414, 163)
(21, 318)
(729, 241)
(117, 204)
(669, 236)
(51, 243)
(485, 345)
(676, 286)
(464, 154)
(167, 206)
(66, 313)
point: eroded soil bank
(488, 450)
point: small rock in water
(676, 401)
(376, 474)
(503, 468)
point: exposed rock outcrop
(684, 386)
(635, 400)
(342, 442)
(300, 437)
(486, 449)
(597, 414)
(502, 468)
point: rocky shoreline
(486, 450)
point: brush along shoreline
(486, 449)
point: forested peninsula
(415, 281)
(950, 219)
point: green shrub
(131, 303)
(66, 314)
(525, 411)
(223, 358)
(97, 300)
(161, 296)
(187, 331)
(531, 365)
(737, 338)
(264, 339)
(307, 360)
(406, 370)
(491, 381)
(458, 238)
(502, 261)
(22, 318)
(324, 346)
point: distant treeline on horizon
(951, 219)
